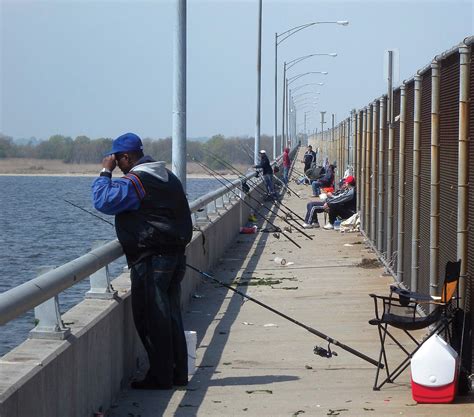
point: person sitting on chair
(315, 207)
(343, 204)
(327, 180)
(312, 210)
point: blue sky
(100, 68)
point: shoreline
(29, 167)
(69, 174)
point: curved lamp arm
(293, 62)
(304, 85)
(296, 29)
(303, 94)
(291, 79)
(295, 97)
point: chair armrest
(380, 297)
(410, 294)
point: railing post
(360, 153)
(435, 184)
(401, 186)
(48, 317)
(353, 145)
(368, 146)
(101, 287)
(463, 168)
(220, 203)
(380, 183)
(363, 170)
(211, 208)
(415, 234)
(373, 198)
(202, 216)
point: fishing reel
(324, 353)
(245, 186)
(257, 173)
(276, 233)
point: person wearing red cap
(337, 200)
(342, 205)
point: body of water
(38, 228)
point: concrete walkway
(252, 362)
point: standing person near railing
(267, 172)
(153, 224)
(286, 164)
(309, 158)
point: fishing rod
(317, 350)
(253, 198)
(277, 229)
(229, 165)
(257, 186)
(244, 150)
(87, 211)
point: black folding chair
(401, 309)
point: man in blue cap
(153, 224)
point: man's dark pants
(156, 294)
(312, 208)
(342, 212)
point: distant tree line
(83, 150)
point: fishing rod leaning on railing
(259, 189)
(26, 296)
(277, 229)
(106, 254)
(233, 168)
(216, 174)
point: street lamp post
(178, 162)
(259, 79)
(285, 35)
(322, 130)
(286, 92)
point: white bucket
(191, 342)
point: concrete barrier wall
(83, 374)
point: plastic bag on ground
(352, 224)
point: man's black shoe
(149, 383)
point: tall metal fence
(415, 176)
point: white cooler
(434, 372)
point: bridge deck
(252, 362)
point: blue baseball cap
(129, 142)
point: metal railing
(415, 175)
(42, 292)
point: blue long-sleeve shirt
(114, 196)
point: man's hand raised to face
(109, 162)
